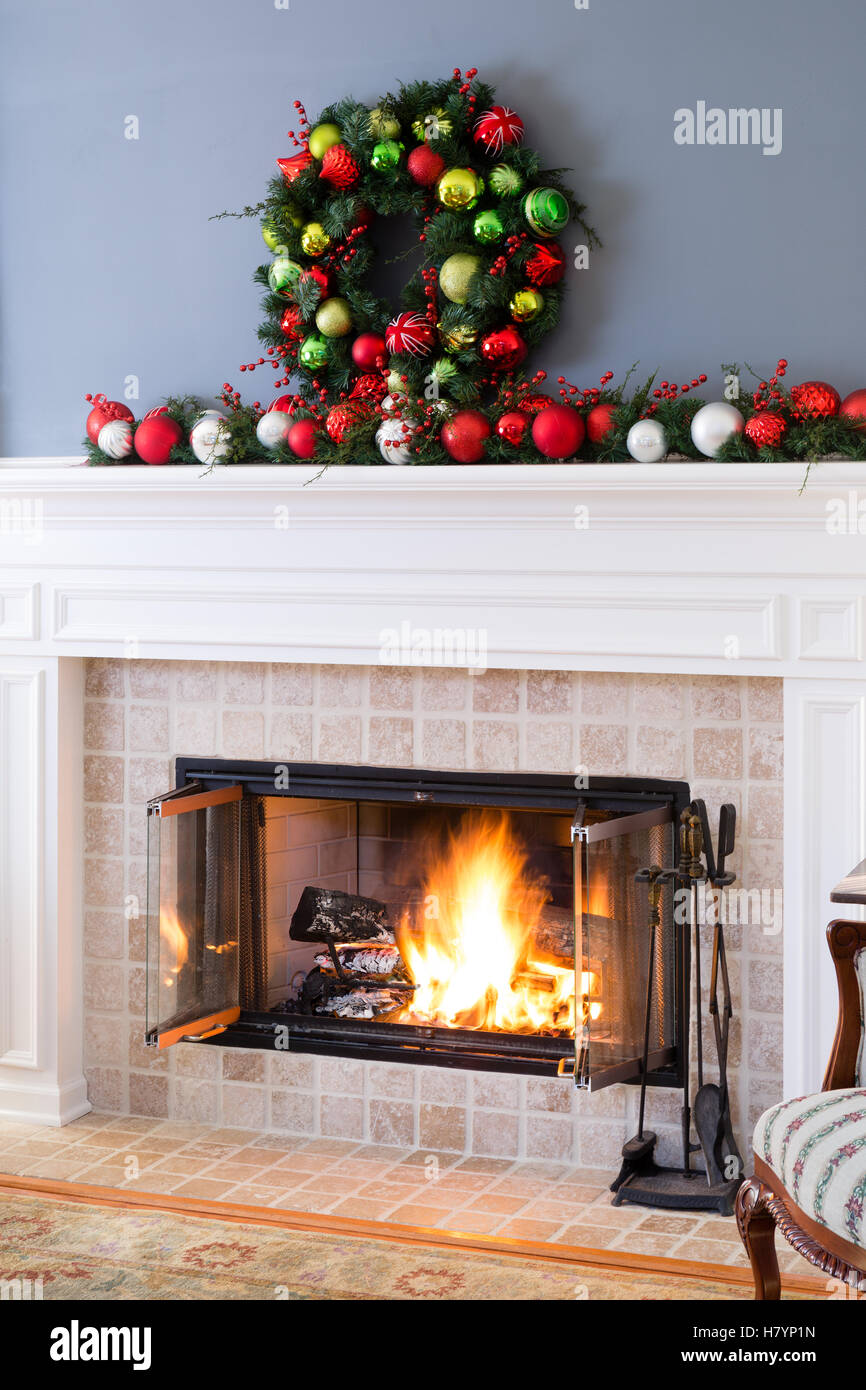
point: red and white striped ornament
(411, 333)
(498, 127)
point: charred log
(326, 914)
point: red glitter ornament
(290, 168)
(339, 168)
(854, 408)
(425, 166)
(815, 400)
(765, 429)
(546, 265)
(368, 350)
(369, 387)
(504, 350)
(345, 417)
(155, 438)
(292, 322)
(302, 437)
(464, 434)
(558, 432)
(411, 333)
(599, 420)
(102, 412)
(512, 426)
(496, 128)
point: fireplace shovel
(712, 1115)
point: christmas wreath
(436, 379)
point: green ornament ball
(505, 181)
(487, 227)
(382, 125)
(546, 210)
(443, 370)
(456, 275)
(322, 137)
(386, 155)
(334, 317)
(271, 235)
(283, 275)
(314, 352)
(395, 383)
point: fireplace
(496, 922)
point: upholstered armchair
(810, 1153)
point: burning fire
(174, 946)
(470, 950)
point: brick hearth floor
(490, 1196)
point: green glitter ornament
(505, 181)
(382, 125)
(487, 227)
(386, 155)
(314, 353)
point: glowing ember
(174, 951)
(470, 949)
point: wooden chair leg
(757, 1229)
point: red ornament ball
(536, 401)
(292, 322)
(854, 408)
(155, 438)
(284, 402)
(558, 432)
(345, 417)
(302, 437)
(512, 426)
(765, 428)
(546, 265)
(815, 400)
(156, 410)
(599, 420)
(464, 434)
(411, 333)
(102, 412)
(364, 217)
(369, 387)
(316, 276)
(425, 166)
(496, 128)
(504, 350)
(339, 168)
(367, 350)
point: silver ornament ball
(713, 424)
(647, 441)
(273, 428)
(393, 440)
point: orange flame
(175, 947)
(470, 951)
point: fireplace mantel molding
(681, 567)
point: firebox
(490, 921)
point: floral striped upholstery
(860, 967)
(816, 1146)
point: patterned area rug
(85, 1252)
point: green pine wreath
(499, 249)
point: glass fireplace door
(193, 913)
(612, 948)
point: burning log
(326, 914)
(375, 963)
(554, 933)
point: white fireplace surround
(681, 568)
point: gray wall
(109, 265)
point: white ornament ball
(273, 428)
(647, 441)
(713, 424)
(393, 438)
(209, 437)
(115, 439)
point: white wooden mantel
(684, 568)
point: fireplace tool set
(641, 1180)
